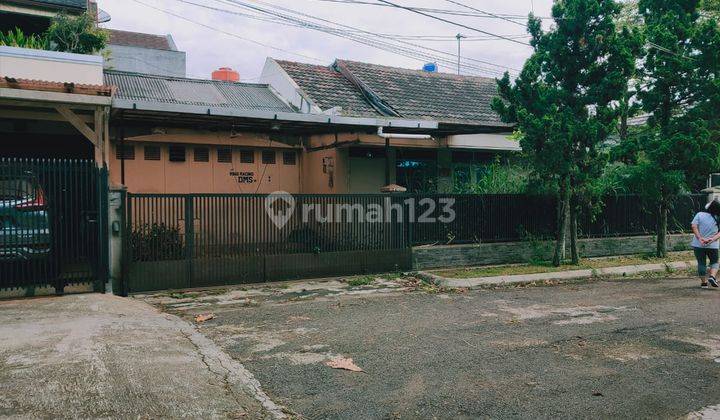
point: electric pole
(459, 37)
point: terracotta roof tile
(46, 86)
(328, 88)
(138, 39)
(438, 96)
(413, 94)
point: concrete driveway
(100, 356)
(641, 348)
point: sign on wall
(244, 177)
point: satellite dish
(103, 16)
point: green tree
(76, 34)
(565, 100)
(676, 150)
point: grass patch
(361, 281)
(547, 267)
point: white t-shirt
(708, 227)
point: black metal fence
(52, 223)
(183, 241)
(510, 217)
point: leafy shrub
(73, 34)
(16, 38)
(156, 242)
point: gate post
(189, 238)
(126, 256)
(103, 261)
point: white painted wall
(285, 86)
(51, 66)
(146, 61)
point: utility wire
(410, 9)
(443, 11)
(457, 3)
(335, 31)
(367, 40)
(228, 33)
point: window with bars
(224, 155)
(268, 157)
(125, 152)
(152, 152)
(289, 158)
(177, 153)
(247, 156)
(201, 154)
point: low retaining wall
(519, 252)
(204, 272)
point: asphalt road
(640, 349)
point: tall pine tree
(676, 151)
(565, 101)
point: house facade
(466, 136)
(345, 128)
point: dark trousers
(704, 254)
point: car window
(15, 189)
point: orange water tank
(226, 74)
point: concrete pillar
(116, 197)
(445, 179)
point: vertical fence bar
(189, 237)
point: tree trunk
(662, 222)
(574, 254)
(562, 222)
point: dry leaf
(204, 317)
(343, 363)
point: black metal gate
(53, 227)
(177, 241)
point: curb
(559, 275)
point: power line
(228, 33)
(410, 9)
(357, 37)
(335, 31)
(442, 11)
(437, 38)
(457, 3)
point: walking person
(705, 244)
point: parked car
(24, 220)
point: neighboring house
(144, 53)
(52, 104)
(33, 16)
(467, 136)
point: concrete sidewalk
(93, 355)
(557, 275)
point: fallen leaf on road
(597, 394)
(343, 363)
(204, 317)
